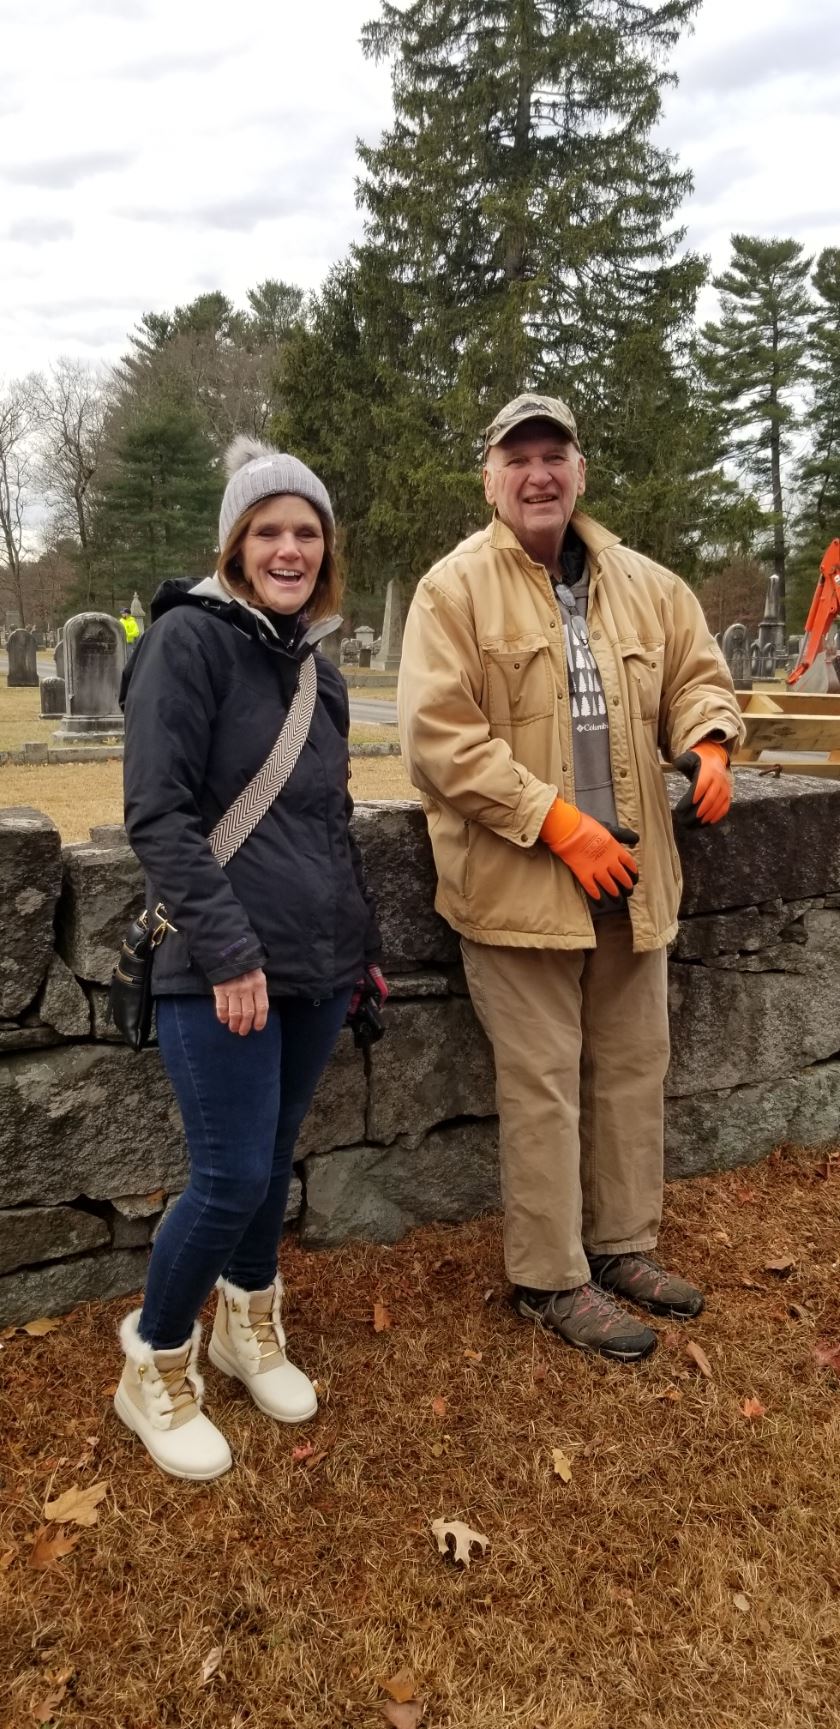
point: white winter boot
(159, 1398)
(248, 1342)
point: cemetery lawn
(662, 1547)
(20, 717)
(78, 795)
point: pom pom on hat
(256, 471)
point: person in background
(544, 667)
(261, 960)
(130, 626)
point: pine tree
(755, 363)
(156, 508)
(819, 516)
(520, 235)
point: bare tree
(18, 419)
(72, 407)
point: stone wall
(91, 1147)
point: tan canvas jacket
(487, 735)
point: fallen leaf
(745, 1194)
(672, 1393)
(723, 1237)
(315, 1459)
(797, 1311)
(540, 1372)
(381, 1318)
(827, 1355)
(210, 1665)
(45, 1550)
(753, 1408)
(741, 1602)
(671, 1339)
(303, 1450)
(620, 1593)
(77, 1506)
(400, 1686)
(751, 1284)
(45, 1711)
(405, 1716)
(562, 1465)
(463, 1539)
(473, 1356)
(7, 1558)
(439, 1407)
(781, 1266)
(109, 1389)
(698, 1356)
(37, 1329)
(436, 1450)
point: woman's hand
(242, 1003)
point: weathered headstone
(95, 657)
(364, 657)
(53, 698)
(771, 630)
(58, 657)
(23, 667)
(390, 646)
(736, 653)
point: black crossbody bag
(130, 993)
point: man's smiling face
(534, 478)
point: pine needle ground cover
(661, 1543)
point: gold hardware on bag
(163, 925)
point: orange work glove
(595, 854)
(710, 793)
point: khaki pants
(580, 1039)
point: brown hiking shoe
(641, 1280)
(587, 1319)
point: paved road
(44, 664)
(373, 713)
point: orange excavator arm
(824, 611)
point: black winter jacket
(206, 693)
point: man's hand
(710, 793)
(242, 1003)
(595, 854)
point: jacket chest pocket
(518, 680)
(643, 666)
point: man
(130, 626)
(544, 666)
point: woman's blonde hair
(327, 594)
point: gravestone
(771, 630)
(53, 698)
(23, 667)
(94, 659)
(736, 653)
(364, 657)
(58, 657)
(330, 646)
(137, 613)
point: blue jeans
(243, 1101)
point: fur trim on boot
(159, 1399)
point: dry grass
(609, 1602)
(20, 717)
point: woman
(255, 974)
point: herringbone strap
(256, 798)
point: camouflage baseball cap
(530, 407)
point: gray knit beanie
(256, 471)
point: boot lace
(178, 1386)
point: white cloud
(150, 150)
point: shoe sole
(234, 1373)
(130, 1417)
(613, 1355)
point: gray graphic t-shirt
(590, 723)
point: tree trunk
(776, 485)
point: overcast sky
(153, 149)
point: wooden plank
(790, 701)
(792, 732)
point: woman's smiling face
(282, 553)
